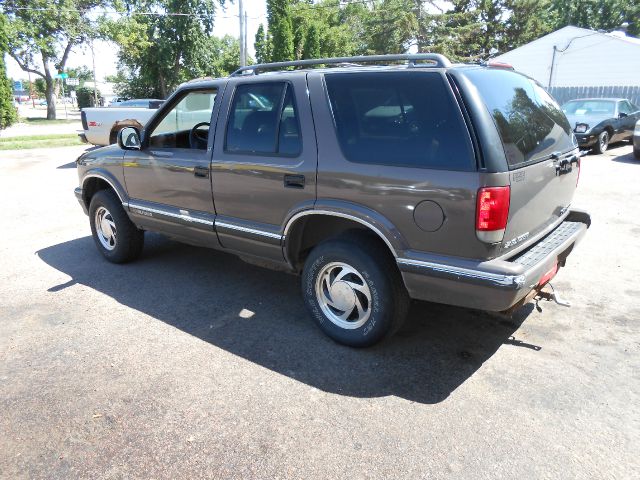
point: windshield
(589, 107)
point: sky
(106, 54)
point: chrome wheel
(105, 228)
(343, 295)
(604, 141)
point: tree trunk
(49, 90)
(162, 85)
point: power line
(119, 12)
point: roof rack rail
(412, 58)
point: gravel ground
(149, 370)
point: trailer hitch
(550, 296)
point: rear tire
(115, 236)
(353, 291)
(602, 144)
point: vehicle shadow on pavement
(628, 158)
(203, 293)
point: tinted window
(263, 120)
(399, 118)
(625, 107)
(134, 104)
(530, 122)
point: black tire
(602, 144)
(389, 302)
(128, 240)
(636, 153)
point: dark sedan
(597, 122)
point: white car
(100, 125)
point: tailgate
(539, 147)
(540, 195)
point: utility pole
(243, 53)
(33, 100)
(64, 100)
(245, 37)
(95, 79)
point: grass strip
(39, 141)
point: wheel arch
(93, 182)
(306, 229)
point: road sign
(17, 85)
(73, 81)
(62, 75)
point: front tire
(353, 291)
(603, 142)
(115, 236)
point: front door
(264, 162)
(168, 181)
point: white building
(592, 63)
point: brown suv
(380, 183)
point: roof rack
(412, 58)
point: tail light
(492, 212)
(83, 118)
(497, 64)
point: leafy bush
(8, 114)
(85, 97)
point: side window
(263, 120)
(174, 129)
(625, 107)
(400, 119)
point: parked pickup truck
(100, 125)
(375, 184)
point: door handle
(294, 181)
(202, 172)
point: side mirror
(129, 139)
(622, 115)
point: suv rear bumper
(494, 285)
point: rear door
(264, 161)
(540, 150)
(395, 151)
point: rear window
(407, 119)
(530, 122)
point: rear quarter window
(407, 119)
(529, 121)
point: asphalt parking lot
(149, 370)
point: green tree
(281, 30)
(597, 14)
(158, 52)
(312, 47)
(224, 56)
(262, 45)
(8, 114)
(45, 31)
